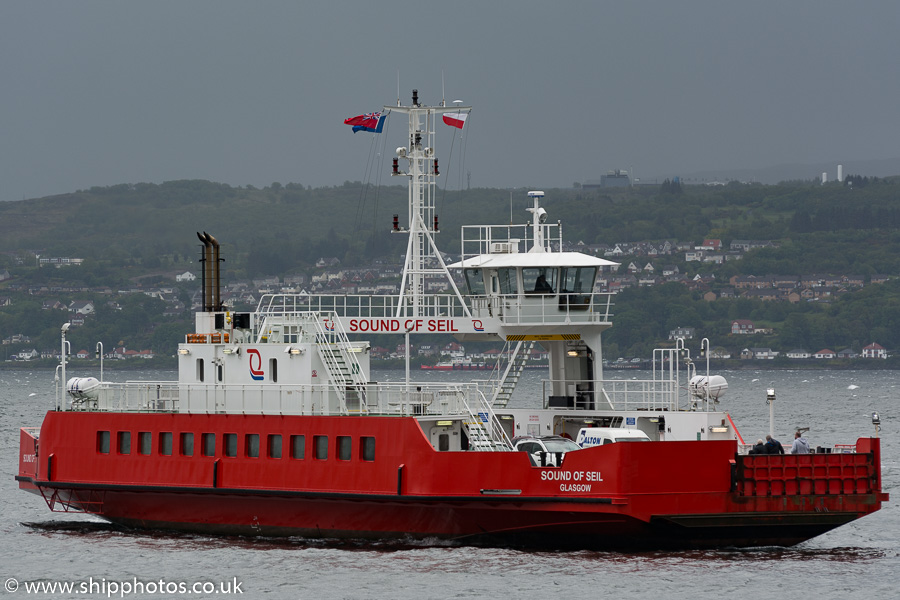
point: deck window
(187, 444)
(165, 443)
(123, 442)
(475, 282)
(208, 444)
(200, 370)
(507, 279)
(145, 439)
(103, 442)
(367, 448)
(539, 281)
(220, 372)
(298, 447)
(273, 370)
(577, 280)
(231, 444)
(320, 447)
(274, 446)
(344, 447)
(251, 445)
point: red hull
(661, 494)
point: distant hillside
(283, 228)
(789, 172)
(147, 232)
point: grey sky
(100, 93)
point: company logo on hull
(256, 371)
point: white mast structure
(422, 171)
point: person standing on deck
(773, 446)
(800, 445)
(759, 448)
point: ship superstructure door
(445, 438)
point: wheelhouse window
(208, 444)
(230, 444)
(274, 446)
(507, 279)
(320, 447)
(539, 280)
(475, 282)
(187, 443)
(103, 442)
(298, 447)
(344, 447)
(576, 285)
(165, 443)
(251, 445)
(145, 439)
(123, 442)
(367, 448)
(577, 280)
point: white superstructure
(296, 354)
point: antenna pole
(422, 258)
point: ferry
(275, 426)
(458, 365)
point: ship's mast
(422, 170)
(538, 218)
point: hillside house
(874, 350)
(742, 327)
(685, 333)
(81, 307)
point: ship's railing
(131, 396)
(34, 432)
(374, 307)
(833, 449)
(389, 399)
(386, 399)
(506, 239)
(617, 394)
(512, 309)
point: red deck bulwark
(28, 451)
(811, 474)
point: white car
(547, 450)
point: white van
(597, 436)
